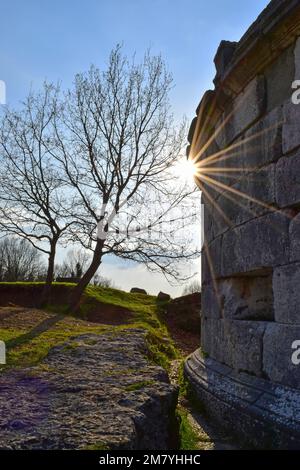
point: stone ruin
(246, 141)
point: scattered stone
(137, 290)
(163, 296)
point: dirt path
(210, 438)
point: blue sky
(43, 39)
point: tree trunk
(45, 298)
(86, 278)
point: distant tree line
(192, 288)
(20, 261)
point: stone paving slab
(94, 390)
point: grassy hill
(30, 333)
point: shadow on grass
(36, 331)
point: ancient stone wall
(246, 142)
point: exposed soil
(20, 317)
(185, 341)
(182, 316)
(109, 315)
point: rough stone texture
(294, 231)
(286, 287)
(262, 143)
(239, 298)
(211, 260)
(279, 77)
(277, 361)
(258, 413)
(137, 290)
(163, 296)
(290, 130)
(297, 59)
(288, 180)
(211, 300)
(247, 108)
(260, 243)
(247, 298)
(248, 198)
(235, 343)
(94, 390)
(223, 57)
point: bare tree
(33, 198)
(193, 287)
(74, 265)
(118, 145)
(19, 260)
(102, 281)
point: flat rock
(94, 390)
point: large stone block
(211, 336)
(235, 343)
(227, 166)
(288, 180)
(246, 297)
(260, 189)
(250, 197)
(279, 77)
(260, 243)
(262, 143)
(286, 283)
(244, 340)
(246, 108)
(211, 301)
(295, 238)
(230, 210)
(291, 126)
(208, 187)
(297, 60)
(277, 355)
(207, 218)
(211, 258)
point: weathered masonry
(246, 140)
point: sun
(186, 169)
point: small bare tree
(74, 265)
(193, 287)
(118, 146)
(19, 260)
(33, 198)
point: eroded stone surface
(277, 361)
(259, 243)
(256, 411)
(288, 180)
(286, 283)
(247, 107)
(235, 343)
(93, 390)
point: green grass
(139, 385)
(147, 315)
(8, 334)
(97, 446)
(35, 350)
(189, 438)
